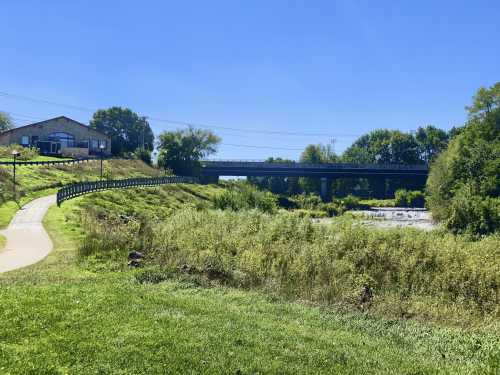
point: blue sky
(339, 68)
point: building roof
(52, 119)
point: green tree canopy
(485, 101)
(431, 142)
(128, 131)
(182, 150)
(464, 181)
(5, 122)
(384, 146)
(315, 154)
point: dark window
(66, 139)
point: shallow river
(394, 217)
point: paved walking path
(27, 240)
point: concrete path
(27, 240)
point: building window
(94, 144)
(25, 140)
(66, 139)
(102, 143)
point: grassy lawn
(3, 240)
(64, 315)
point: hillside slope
(36, 181)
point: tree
(485, 101)
(182, 150)
(464, 183)
(128, 131)
(5, 122)
(383, 146)
(431, 141)
(315, 154)
(276, 184)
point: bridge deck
(238, 168)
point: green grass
(3, 241)
(65, 315)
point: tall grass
(411, 272)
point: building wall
(60, 124)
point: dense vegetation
(464, 183)
(24, 153)
(414, 274)
(64, 316)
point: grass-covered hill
(35, 181)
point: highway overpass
(211, 171)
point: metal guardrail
(49, 162)
(81, 188)
(298, 165)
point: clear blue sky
(335, 67)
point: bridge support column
(326, 189)
(205, 180)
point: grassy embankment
(36, 158)
(2, 242)
(74, 314)
(36, 181)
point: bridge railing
(255, 164)
(81, 188)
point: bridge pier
(326, 189)
(205, 180)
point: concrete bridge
(212, 170)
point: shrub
(473, 214)
(463, 184)
(307, 201)
(245, 197)
(144, 155)
(404, 198)
(25, 153)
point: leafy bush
(25, 153)
(405, 198)
(312, 214)
(245, 197)
(463, 184)
(472, 214)
(307, 201)
(144, 155)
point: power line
(22, 117)
(183, 123)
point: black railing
(49, 162)
(279, 165)
(81, 188)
